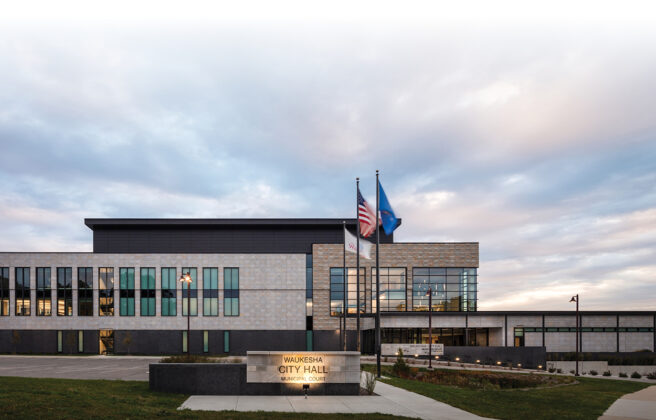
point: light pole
(430, 327)
(576, 299)
(186, 278)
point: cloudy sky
(529, 130)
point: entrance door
(106, 341)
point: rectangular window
(22, 287)
(64, 291)
(43, 293)
(147, 292)
(4, 291)
(184, 341)
(210, 291)
(337, 291)
(226, 341)
(392, 289)
(126, 285)
(85, 291)
(106, 291)
(308, 340)
(231, 291)
(80, 341)
(453, 289)
(60, 342)
(169, 293)
(190, 292)
(519, 337)
(206, 341)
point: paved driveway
(129, 368)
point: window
(60, 342)
(184, 341)
(308, 285)
(210, 291)
(126, 284)
(453, 289)
(308, 340)
(22, 291)
(80, 341)
(231, 291)
(169, 284)
(392, 289)
(4, 291)
(190, 292)
(147, 292)
(43, 294)
(206, 339)
(106, 291)
(85, 291)
(226, 341)
(64, 291)
(337, 291)
(519, 337)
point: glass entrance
(106, 341)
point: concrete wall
(272, 291)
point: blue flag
(387, 216)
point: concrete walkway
(639, 405)
(390, 400)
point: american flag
(366, 216)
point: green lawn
(27, 398)
(586, 400)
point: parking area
(128, 368)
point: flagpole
(345, 281)
(377, 278)
(357, 265)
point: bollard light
(457, 359)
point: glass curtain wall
(392, 289)
(106, 291)
(147, 292)
(192, 292)
(453, 289)
(43, 293)
(22, 286)
(85, 291)
(210, 291)
(337, 291)
(126, 284)
(169, 293)
(64, 291)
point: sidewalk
(637, 406)
(390, 400)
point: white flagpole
(377, 278)
(345, 281)
(357, 268)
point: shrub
(606, 373)
(369, 382)
(636, 375)
(559, 370)
(400, 367)
(552, 370)
(572, 371)
(192, 358)
(623, 375)
(651, 375)
(593, 372)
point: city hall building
(270, 284)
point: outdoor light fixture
(539, 366)
(437, 357)
(457, 359)
(430, 325)
(498, 363)
(416, 355)
(305, 389)
(186, 278)
(478, 361)
(519, 365)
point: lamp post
(186, 278)
(430, 327)
(576, 299)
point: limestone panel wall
(271, 291)
(636, 321)
(599, 341)
(560, 342)
(560, 321)
(636, 341)
(599, 321)
(406, 255)
(533, 339)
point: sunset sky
(529, 130)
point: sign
(305, 367)
(411, 349)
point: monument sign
(303, 367)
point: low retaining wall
(601, 367)
(529, 357)
(229, 379)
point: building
(270, 284)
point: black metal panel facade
(235, 237)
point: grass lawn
(586, 400)
(84, 399)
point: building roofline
(114, 222)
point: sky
(528, 127)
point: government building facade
(271, 284)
